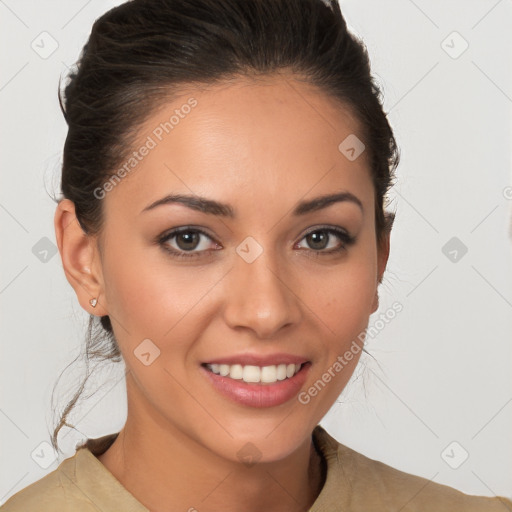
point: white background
(442, 368)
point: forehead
(273, 139)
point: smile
(257, 385)
(255, 374)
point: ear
(80, 258)
(382, 260)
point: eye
(187, 242)
(323, 240)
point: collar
(100, 486)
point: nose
(260, 297)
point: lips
(257, 381)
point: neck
(167, 471)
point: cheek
(343, 307)
(151, 297)
(345, 298)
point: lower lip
(259, 395)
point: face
(251, 278)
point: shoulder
(55, 491)
(364, 484)
(80, 483)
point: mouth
(252, 374)
(257, 385)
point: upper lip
(259, 360)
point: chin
(261, 442)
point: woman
(224, 180)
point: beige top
(354, 483)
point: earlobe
(375, 304)
(79, 258)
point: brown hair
(139, 54)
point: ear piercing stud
(93, 302)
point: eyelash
(346, 239)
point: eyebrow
(212, 207)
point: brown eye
(318, 239)
(187, 240)
(323, 240)
(188, 243)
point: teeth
(236, 371)
(281, 372)
(269, 374)
(253, 374)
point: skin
(261, 147)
